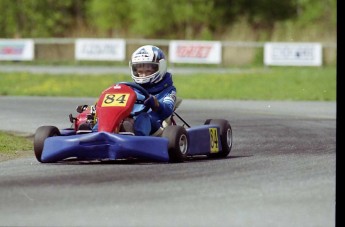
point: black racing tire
(41, 134)
(225, 137)
(178, 142)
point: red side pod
(114, 104)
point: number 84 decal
(214, 143)
(115, 100)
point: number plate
(214, 143)
(115, 100)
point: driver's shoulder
(171, 90)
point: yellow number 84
(214, 143)
(115, 100)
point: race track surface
(280, 172)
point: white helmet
(151, 56)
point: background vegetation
(171, 19)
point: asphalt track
(281, 172)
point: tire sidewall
(41, 134)
(174, 133)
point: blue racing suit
(149, 122)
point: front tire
(41, 134)
(225, 137)
(178, 142)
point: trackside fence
(180, 52)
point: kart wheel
(178, 142)
(41, 134)
(225, 136)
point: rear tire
(178, 142)
(225, 137)
(41, 134)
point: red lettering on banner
(199, 51)
(11, 50)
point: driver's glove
(152, 102)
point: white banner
(293, 54)
(199, 52)
(16, 49)
(100, 49)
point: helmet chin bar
(145, 79)
(153, 68)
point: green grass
(12, 146)
(271, 84)
(274, 83)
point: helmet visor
(144, 69)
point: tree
(31, 18)
(110, 16)
(164, 19)
(265, 13)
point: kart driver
(149, 70)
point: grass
(12, 146)
(271, 84)
(275, 83)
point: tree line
(163, 19)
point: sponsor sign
(100, 49)
(199, 52)
(16, 49)
(293, 54)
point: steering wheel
(138, 101)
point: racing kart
(112, 141)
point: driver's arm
(164, 106)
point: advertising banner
(198, 52)
(100, 49)
(16, 49)
(293, 54)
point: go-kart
(112, 141)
